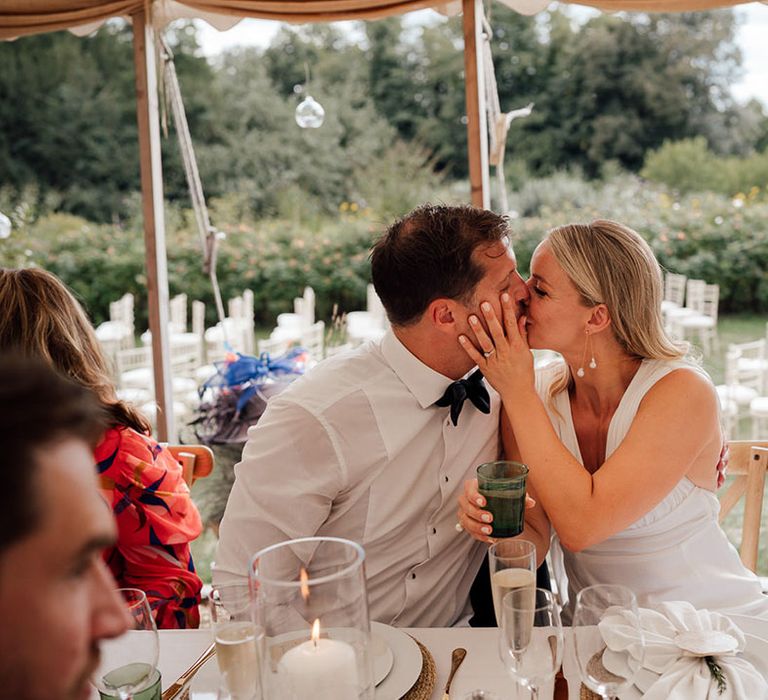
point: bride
(621, 437)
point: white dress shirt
(356, 449)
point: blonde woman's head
(611, 264)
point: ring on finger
(488, 353)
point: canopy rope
(498, 121)
(209, 234)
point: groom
(375, 445)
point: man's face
(501, 275)
(57, 598)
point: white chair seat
(136, 396)
(173, 338)
(183, 385)
(285, 334)
(363, 325)
(667, 306)
(204, 373)
(143, 378)
(696, 321)
(759, 407)
(291, 321)
(742, 395)
(680, 312)
(139, 378)
(752, 364)
(233, 326)
(112, 330)
(149, 409)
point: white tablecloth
(482, 669)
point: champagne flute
(128, 662)
(512, 563)
(592, 603)
(531, 638)
(236, 640)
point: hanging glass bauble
(5, 226)
(309, 114)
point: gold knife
(456, 658)
(173, 690)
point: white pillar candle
(320, 669)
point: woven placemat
(596, 669)
(425, 683)
(586, 694)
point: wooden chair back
(196, 461)
(748, 462)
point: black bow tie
(471, 388)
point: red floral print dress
(156, 521)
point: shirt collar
(422, 381)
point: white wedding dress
(677, 551)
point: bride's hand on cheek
(503, 356)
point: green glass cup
(503, 485)
(154, 691)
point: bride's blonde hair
(611, 264)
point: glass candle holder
(311, 601)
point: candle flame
(315, 631)
(304, 578)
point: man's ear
(442, 314)
(599, 320)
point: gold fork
(173, 690)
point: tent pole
(474, 85)
(154, 222)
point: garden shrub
(720, 239)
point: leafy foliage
(689, 166)
(709, 236)
(611, 90)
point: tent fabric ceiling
(22, 17)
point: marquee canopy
(22, 17)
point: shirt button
(413, 576)
(434, 530)
(446, 479)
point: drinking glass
(512, 564)
(237, 640)
(592, 603)
(503, 485)
(531, 637)
(128, 662)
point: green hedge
(275, 259)
(707, 236)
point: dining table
(482, 668)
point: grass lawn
(211, 493)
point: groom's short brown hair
(427, 255)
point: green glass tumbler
(503, 485)
(152, 692)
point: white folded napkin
(672, 665)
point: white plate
(406, 668)
(383, 658)
(386, 644)
(755, 626)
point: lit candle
(321, 669)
